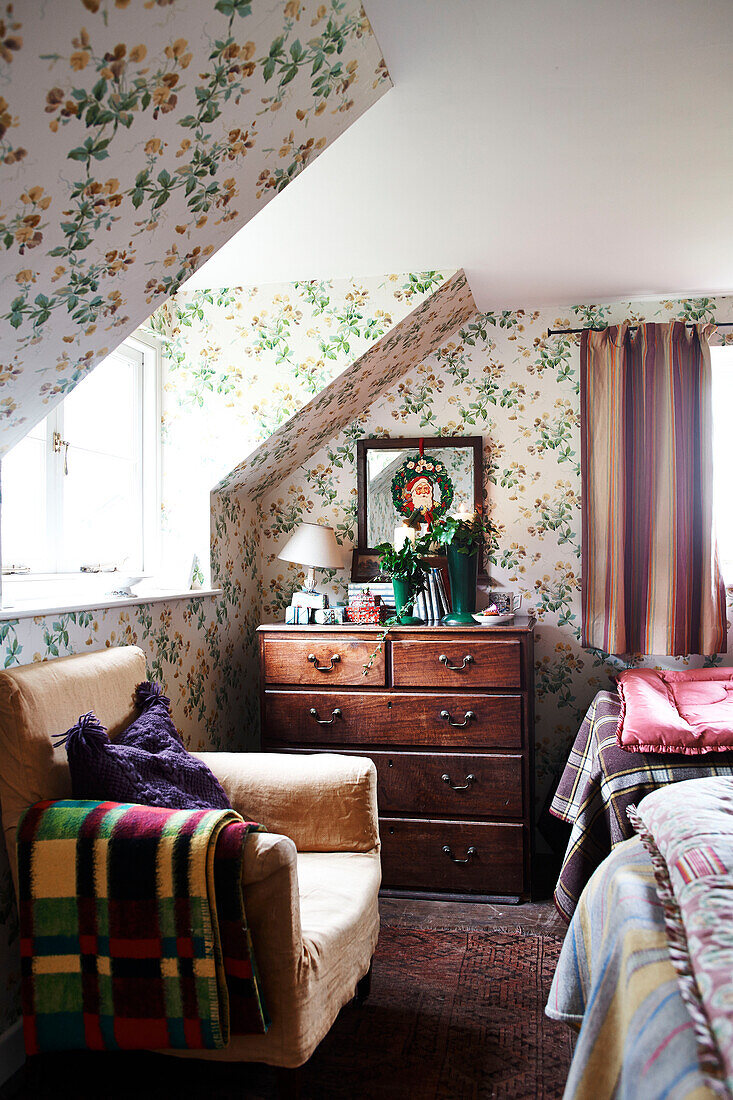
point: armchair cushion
(323, 802)
(147, 764)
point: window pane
(722, 363)
(102, 493)
(100, 414)
(102, 514)
(24, 531)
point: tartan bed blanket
(132, 928)
(600, 781)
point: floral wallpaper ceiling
(410, 341)
(136, 136)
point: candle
(465, 513)
(402, 534)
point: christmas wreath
(422, 484)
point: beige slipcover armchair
(310, 883)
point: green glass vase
(463, 573)
(401, 597)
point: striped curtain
(650, 576)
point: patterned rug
(451, 1016)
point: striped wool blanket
(615, 984)
(132, 926)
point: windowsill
(32, 608)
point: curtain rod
(590, 328)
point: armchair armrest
(323, 802)
(265, 854)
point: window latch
(58, 444)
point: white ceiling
(560, 151)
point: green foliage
(406, 563)
(466, 537)
(697, 309)
(9, 642)
(592, 316)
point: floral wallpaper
(136, 136)
(502, 377)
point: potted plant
(462, 536)
(406, 569)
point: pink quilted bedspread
(683, 712)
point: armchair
(310, 884)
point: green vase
(463, 573)
(401, 597)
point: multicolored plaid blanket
(132, 926)
(600, 781)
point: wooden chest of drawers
(446, 714)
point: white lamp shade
(313, 545)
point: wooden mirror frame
(433, 442)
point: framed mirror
(378, 461)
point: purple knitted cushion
(147, 764)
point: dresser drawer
(438, 719)
(413, 783)
(414, 855)
(457, 664)
(322, 659)
(454, 784)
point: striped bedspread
(616, 983)
(600, 781)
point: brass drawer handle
(455, 786)
(470, 853)
(468, 716)
(467, 660)
(326, 721)
(323, 668)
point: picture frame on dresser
(446, 715)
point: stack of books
(432, 603)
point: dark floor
(449, 916)
(62, 1073)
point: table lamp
(314, 546)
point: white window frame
(145, 353)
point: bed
(616, 984)
(600, 781)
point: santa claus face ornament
(422, 485)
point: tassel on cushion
(150, 693)
(87, 733)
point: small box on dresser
(446, 714)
